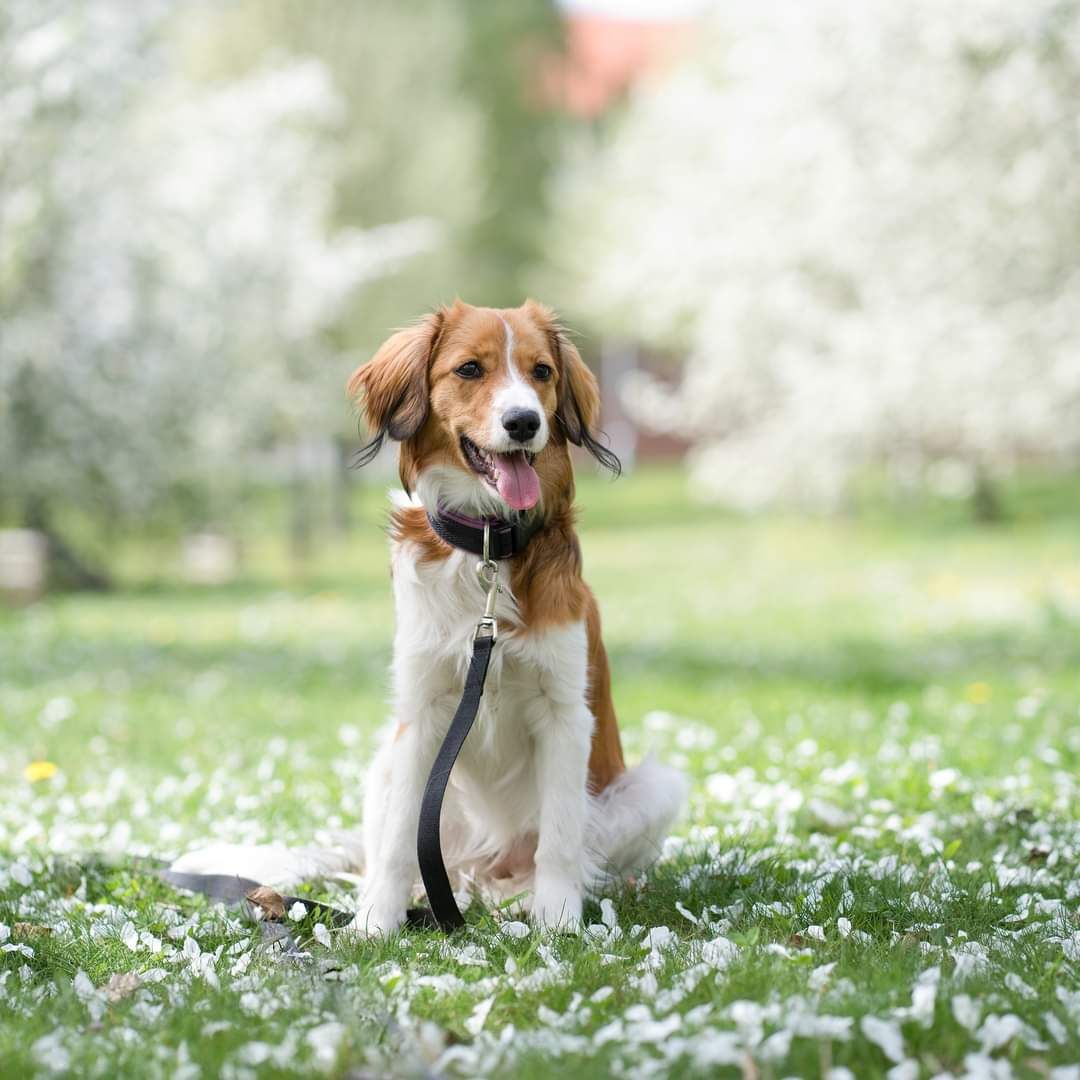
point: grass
(880, 715)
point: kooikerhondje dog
(485, 404)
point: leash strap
(428, 840)
(230, 889)
(233, 890)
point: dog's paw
(557, 906)
(373, 919)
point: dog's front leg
(562, 759)
(392, 868)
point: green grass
(880, 716)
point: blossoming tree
(168, 264)
(860, 225)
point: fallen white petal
(884, 1034)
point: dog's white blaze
(517, 393)
(511, 367)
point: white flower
(1058, 1031)
(775, 1048)
(83, 987)
(297, 912)
(322, 935)
(924, 996)
(324, 1040)
(607, 914)
(660, 937)
(884, 1034)
(478, 1017)
(906, 1070)
(828, 814)
(966, 1011)
(997, 1030)
(254, 1053)
(50, 1052)
(469, 956)
(819, 977)
(686, 913)
(1019, 987)
(719, 952)
(514, 929)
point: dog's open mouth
(511, 475)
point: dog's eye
(470, 370)
(542, 372)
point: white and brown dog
(485, 403)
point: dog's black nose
(521, 424)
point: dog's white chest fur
(534, 680)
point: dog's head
(484, 402)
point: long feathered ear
(391, 389)
(578, 409)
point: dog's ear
(578, 410)
(391, 389)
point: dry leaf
(121, 984)
(29, 930)
(271, 904)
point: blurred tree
(168, 271)
(505, 48)
(190, 195)
(861, 225)
(442, 119)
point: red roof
(603, 57)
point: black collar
(508, 538)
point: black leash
(428, 841)
(444, 912)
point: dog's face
(484, 402)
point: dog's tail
(276, 864)
(631, 817)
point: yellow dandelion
(978, 693)
(40, 770)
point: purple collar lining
(445, 513)
(508, 538)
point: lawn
(877, 874)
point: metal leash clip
(487, 570)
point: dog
(485, 404)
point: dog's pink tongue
(517, 481)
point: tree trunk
(986, 501)
(67, 569)
(300, 531)
(339, 489)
